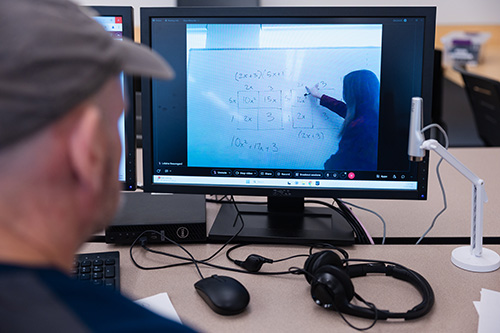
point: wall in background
(450, 12)
(134, 3)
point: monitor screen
(119, 23)
(287, 102)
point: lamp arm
(478, 193)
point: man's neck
(32, 251)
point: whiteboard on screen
(247, 107)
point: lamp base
(487, 262)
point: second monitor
(118, 21)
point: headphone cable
(231, 249)
(370, 305)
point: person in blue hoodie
(359, 133)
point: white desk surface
(284, 304)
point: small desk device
(473, 258)
(238, 119)
(180, 217)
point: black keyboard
(100, 269)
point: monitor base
(312, 225)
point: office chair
(437, 96)
(484, 99)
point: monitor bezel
(429, 13)
(127, 14)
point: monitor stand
(282, 220)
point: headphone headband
(398, 272)
(331, 285)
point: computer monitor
(119, 22)
(238, 118)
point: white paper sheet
(488, 309)
(161, 305)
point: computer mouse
(223, 294)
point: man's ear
(86, 148)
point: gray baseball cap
(53, 56)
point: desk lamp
(474, 257)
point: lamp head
(416, 138)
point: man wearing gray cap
(60, 100)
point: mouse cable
(191, 259)
(173, 242)
(238, 215)
(438, 174)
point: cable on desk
(238, 215)
(224, 199)
(373, 212)
(369, 237)
(364, 238)
(360, 232)
(143, 240)
(254, 262)
(191, 259)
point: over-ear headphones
(332, 288)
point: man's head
(60, 100)
(53, 56)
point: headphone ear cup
(332, 286)
(320, 259)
